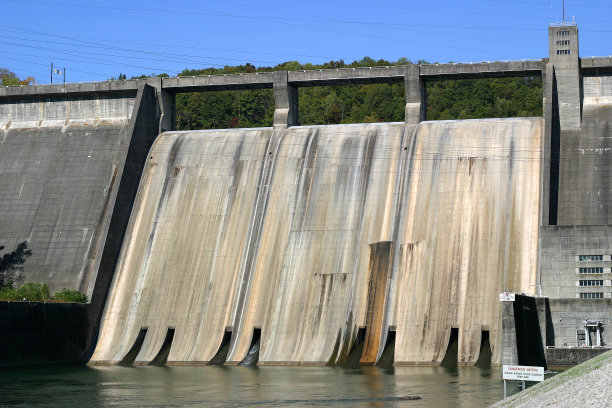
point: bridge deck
(342, 76)
(596, 65)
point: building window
(590, 270)
(591, 282)
(582, 258)
(562, 33)
(595, 295)
(563, 52)
(563, 42)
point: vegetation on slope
(457, 99)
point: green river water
(252, 386)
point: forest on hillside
(456, 99)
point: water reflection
(252, 386)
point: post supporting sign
(522, 373)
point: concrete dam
(310, 233)
(288, 245)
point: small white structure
(583, 336)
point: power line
(95, 43)
(384, 24)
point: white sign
(523, 373)
(506, 297)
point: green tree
(10, 78)
(11, 264)
(456, 99)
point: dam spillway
(301, 239)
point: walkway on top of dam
(340, 76)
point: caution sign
(523, 373)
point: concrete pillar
(509, 345)
(416, 104)
(563, 55)
(565, 84)
(167, 120)
(550, 149)
(285, 101)
(142, 131)
(546, 330)
(165, 105)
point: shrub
(39, 292)
(36, 292)
(8, 293)
(67, 295)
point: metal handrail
(564, 24)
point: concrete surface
(60, 161)
(288, 252)
(561, 358)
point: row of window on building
(592, 295)
(590, 258)
(563, 33)
(564, 52)
(595, 269)
(563, 42)
(591, 282)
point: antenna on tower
(564, 11)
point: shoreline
(587, 383)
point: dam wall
(468, 231)
(73, 164)
(585, 171)
(304, 244)
(60, 158)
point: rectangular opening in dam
(367, 103)
(484, 357)
(224, 109)
(162, 356)
(484, 98)
(221, 355)
(452, 350)
(252, 356)
(130, 357)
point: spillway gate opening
(162, 356)
(130, 357)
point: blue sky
(95, 41)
